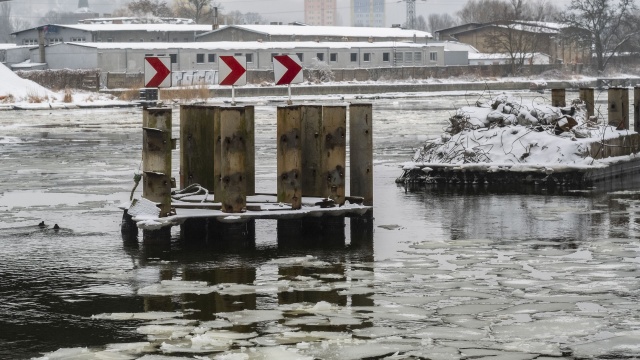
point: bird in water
(41, 224)
(56, 227)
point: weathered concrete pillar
(334, 124)
(618, 100)
(361, 151)
(233, 133)
(289, 155)
(313, 182)
(587, 95)
(558, 98)
(197, 140)
(156, 157)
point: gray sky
(273, 10)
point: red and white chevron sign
(287, 69)
(157, 71)
(232, 70)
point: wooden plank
(312, 154)
(361, 151)
(618, 105)
(217, 156)
(156, 157)
(334, 124)
(289, 155)
(233, 133)
(197, 145)
(636, 109)
(587, 96)
(558, 98)
(249, 112)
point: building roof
(454, 46)
(498, 56)
(342, 31)
(129, 27)
(245, 45)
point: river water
(449, 273)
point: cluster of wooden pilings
(217, 152)
(617, 105)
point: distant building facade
(320, 12)
(369, 13)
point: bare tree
(602, 25)
(9, 25)
(484, 11)
(201, 11)
(519, 40)
(440, 21)
(421, 23)
(158, 8)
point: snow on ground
(11, 85)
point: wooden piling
(361, 152)
(250, 160)
(233, 132)
(217, 156)
(313, 182)
(197, 139)
(334, 124)
(156, 157)
(618, 105)
(289, 155)
(558, 98)
(587, 96)
(636, 108)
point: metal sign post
(287, 70)
(233, 71)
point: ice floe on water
(458, 300)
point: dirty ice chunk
(450, 333)
(624, 345)
(356, 350)
(378, 332)
(176, 287)
(247, 317)
(548, 328)
(152, 315)
(132, 348)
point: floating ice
(137, 316)
(247, 317)
(176, 287)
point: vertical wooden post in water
(618, 100)
(587, 95)
(233, 132)
(334, 124)
(636, 109)
(217, 156)
(313, 182)
(197, 140)
(156, 157)
(361, 151)
(558, 98)
(289, 155)
(250, 160)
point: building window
(300, 56)
(408, 57)
(272, 55)
(399, 57)
(175, 39)
(211, 58)
(186, 39)
(174, 58)
(354, 57)
(417, 57)
(249, 58)
(333, 57)
(366, 57)
(320, 56)
(433, 56)
(131, 40)
(78, 39)
(385, 57)
(200, 58)
(148, 55)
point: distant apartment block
(320, 12)
(368, 13)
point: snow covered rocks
(503, 139)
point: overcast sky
(273, 10)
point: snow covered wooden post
(558, 98)
(587, 96)
(197, 140)
(156, 157)
(312, 154)
(289, 155)
(334, 123)
(618, 105)
(233, 133)
(361, 151)
(636, 108)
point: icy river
(449, 274)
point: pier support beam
(558, 98)
(156, 157)
(233, 132)
(636, 109)
(334, 124)
(312, 154)
(587, 96)
(197, 140)
(361, 152)
(289, 155)
(618, 100)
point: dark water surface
(449, 273)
